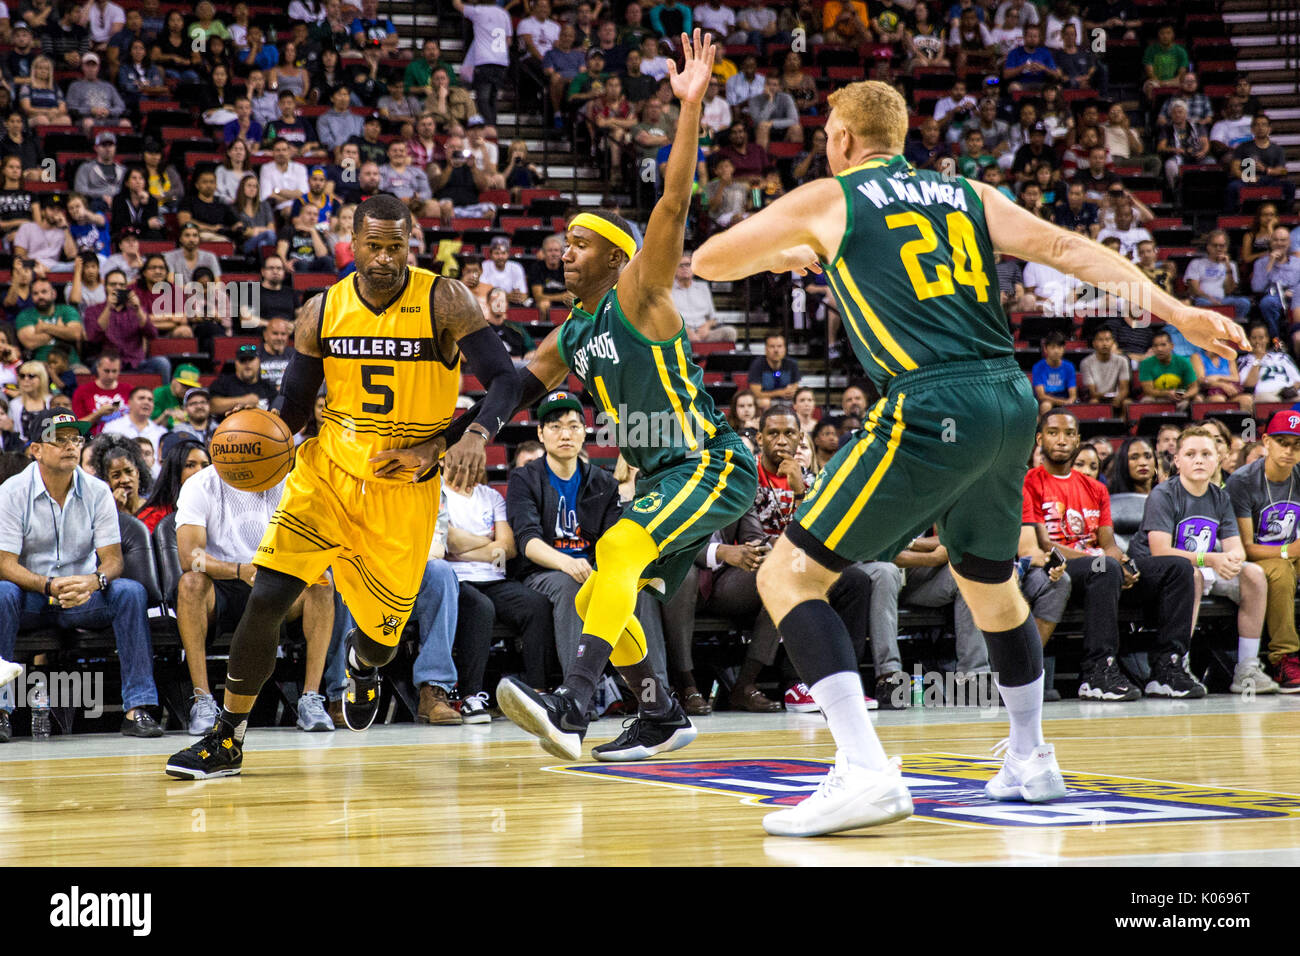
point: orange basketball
(252, 450)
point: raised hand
(690, 84)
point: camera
(1054, 560)
(121, 297)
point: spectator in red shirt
(1073, 512)
(102, 399)
(749, 159)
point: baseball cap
(245, 352)
(559, 401)
(500, 241)
(1285, 422)
(475, 121)
(20, 25)
(106, 137)
(191, 392)
(1038, 128)
(48, 421)
(187, 375)
(90, 58)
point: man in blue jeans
(56, 524)
(441, 626)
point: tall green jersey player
(909, 257)
(626, 340)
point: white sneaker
(1034, 779)
(1247, 677)
(474, 709)
(848, 799)
(8, 671)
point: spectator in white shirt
(745, 85)
(489, 54)
(694, 300)
(282, 180)
(218, 531)
(1231, 131)
(716, 17)
(138, 420)
(1125, 229)
(715, 114)
(1056, 22)
(1212, 279)
(653, 62)
(104, 19)
(1027, 11)
(500, 273)
(1052, 290)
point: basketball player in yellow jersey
(909, 256)
(363, 496)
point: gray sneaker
(312, 714)
(204, 714)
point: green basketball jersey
(650, 395)
(914, 274)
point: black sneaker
(644, 736)
(1171, 678)
(554, 719)
(143, 725)
(361, 698)
(216, 755)
(6, 731)
(1106, 682)
(892, 691)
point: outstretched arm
(645, 283)
(1017, 232)
(797, 232)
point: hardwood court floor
(478, 795)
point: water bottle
(918, 696)
(41, 728)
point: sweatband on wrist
(491, 363)
(296, 402)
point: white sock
(841, 701)
(1247, 647)
(1025, 708)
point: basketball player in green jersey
(909, 257)
(626, 341)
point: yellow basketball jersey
(387, 384)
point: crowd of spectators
(313, 115)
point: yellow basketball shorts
(375, 535)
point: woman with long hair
(165, 184)
(1087, 461)
(288, 75)
(328, 77)
(314, 424)
(42, 101)
(17, 204)
(1255, 242)
(1133, 468)
(138, 78)
(33, 396)
(135, 207)
(255, 214)
(173, 51)
(801, 87)
(234, 167)
(119, 463)
(218, 100)
(11, 357)
(87, 285)
(924, 43)
(183, 461)
(743, 412)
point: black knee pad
(984, 570)
(252, 651)
(370, 652)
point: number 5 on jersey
(967, 264)
(384, 392)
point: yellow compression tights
(606, 602)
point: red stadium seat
(462, 225)
(526, 196)
(470, 383)
(511, 223)
(497, 197)
(1085, 413)
(223, 349)
(313, 280)
(130, 380)
(1143, 409)
(784, 150)
(162, 346)
(496, 455)
(1201, 409)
